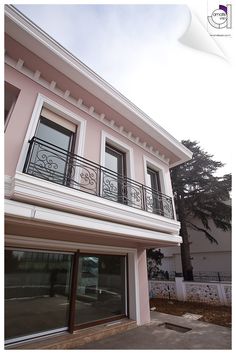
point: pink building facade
(87, 191)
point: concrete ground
(201, 335)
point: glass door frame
(75, 269)
(72, 326)
(50, 331)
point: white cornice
(52, 86)
(60, 218)
(34, 190)
(32, 37)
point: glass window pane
(101, 288)
(111, 162)
(37, 291)
(46, 162)
(54, 134)
(114, 183)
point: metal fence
(51, 163)
(204, 277)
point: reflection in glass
(153, 197)
(46, 162)
(101, 288)
(37, 290)
(114, 186)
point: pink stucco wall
(29, 90)
(21, 115)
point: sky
(136, 48)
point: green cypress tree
(200, 195)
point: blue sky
(136, 49)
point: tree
(154, 257)
(200, 195)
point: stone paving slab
(192, 316)
(155, 336)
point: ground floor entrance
(52, 291)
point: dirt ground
(220, 315)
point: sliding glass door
(101, 288)
(37, 292)
(47, 292)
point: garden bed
(219, 315)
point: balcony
(51, 163)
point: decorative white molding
(19, 64)
(52, 85)
(37, 75)
(91, 110)
(66, 94)
(129, 134)
(8, 186)
(35, 190)
(102, 116)
(67, 246)
(127, 149)
(160, 167)
(33, 38)
(60, 110)
(79, 103)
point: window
(114, 186)
(37, 292)
(115, 160)
(153, 193)
(50, 157)
(101, 288)
(153, 179)
(10, 97)
(48, 292)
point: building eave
(40, 43)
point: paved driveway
(155, 335)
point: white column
(180, 289)
(221, 293)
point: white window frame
(116, 143)
(43, 101)
(158, 167)
(120, 145)
(164, 174)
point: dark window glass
(114, 186)
(153, 196)
(54, 134)
(153, 179)
(101, 287)
(49, 163)
(37, 291)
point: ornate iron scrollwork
(54, 164)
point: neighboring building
(87, 191)
(209, 260)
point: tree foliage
(154, 257)
(200, 195)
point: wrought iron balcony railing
(51, 163)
